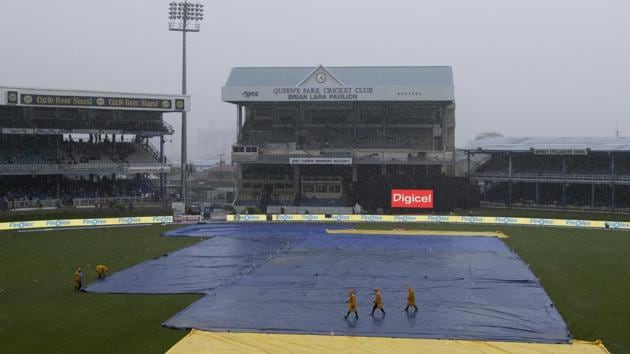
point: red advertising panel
(412, 198)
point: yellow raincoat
(378, 299)
(352, 302)
(101, 270)
(411, 297)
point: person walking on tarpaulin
(77, 277)
(378, 302)
(352, 304)
(411, 299)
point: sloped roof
(349, 75)
(561, 143)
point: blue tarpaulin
(295, 279)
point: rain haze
(521, 68)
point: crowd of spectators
(60, 149)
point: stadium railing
(146, 168)
(95, 202)
(56, 167)
(555, 177)
(379, 155)
(78, 202)
(278, 209)
(33, 204)
(361, 154)
(87, 167)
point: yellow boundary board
(131, 220)
(437, 219)
(400, 232)
(199, 342)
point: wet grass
(40, 313)
(585, 272)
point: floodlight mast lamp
(184, 17)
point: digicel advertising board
(412, 198)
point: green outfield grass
(40, 313)
(585, 272)
(587, 275)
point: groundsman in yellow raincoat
(411, 299)
(378, 302)
(352, 304)
(77, 279)
(101, 270)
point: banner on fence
(447, 219)
(131, 220)
(247, 217)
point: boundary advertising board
(131, 220)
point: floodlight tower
(184, 17)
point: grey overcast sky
(522, 68)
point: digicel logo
(412, 198)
